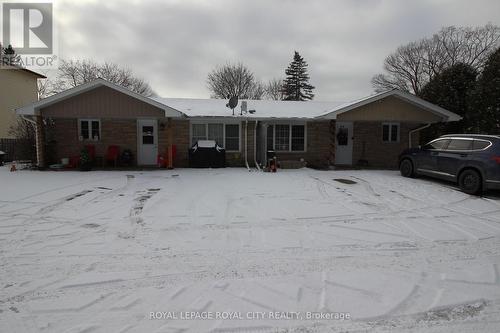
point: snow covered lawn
(101, 251)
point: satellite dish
(233, 102)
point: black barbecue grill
(207, 154)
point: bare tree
(74, 73)
(274, 89)
(234, 80)
(412, 65)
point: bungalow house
(369, 131)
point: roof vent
(243, 106)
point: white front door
(147, 141)
(343, 143)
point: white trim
(390, 124)
(89, 121)
(33, 109)
(224, 122)
(445, 114)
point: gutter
(414, 131)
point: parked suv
(472, 161)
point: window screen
(198, 132)
(84, 129)
(270, 137)
(385, 133)
(232, 137)
(216, 133)
(95, 130)
(148, 137)
(282, 137)
(394, 133)
(390, 132)
(298, 137)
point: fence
(16, 149)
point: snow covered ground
(101, 251)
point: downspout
(255, 145)
(37, 138)
(414, 131)
(246, 145)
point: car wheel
(470, 181)
(406, 168)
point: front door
(147, 145)
(343, 143)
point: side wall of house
(17, 88)
(368, 145)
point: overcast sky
(174, 44)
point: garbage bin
(2, 155)
(207, 154)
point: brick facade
(319, 148)
(368, 144)
(63, 139)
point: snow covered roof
(264, 109)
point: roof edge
(447, 116)
(32, 109)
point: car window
(437, 144)
(460, 144)
(480, 144)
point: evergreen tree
(296, 85)
(9, 56)
(453, 90)
(487, 96)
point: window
(216, 133)
(282, 137)
(89, 129)
(198, 132)
(270, 138)
(298, 137)
(480, 144)
(148, 135)
(226, 135)
(459, 144)
(232, 137)
(286, 137)
(390, 132)
(437, 144)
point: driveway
(229, 250)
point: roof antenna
(233, 103)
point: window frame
(390, 124)
(224, 122)
(290, 125)
(89, 122)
